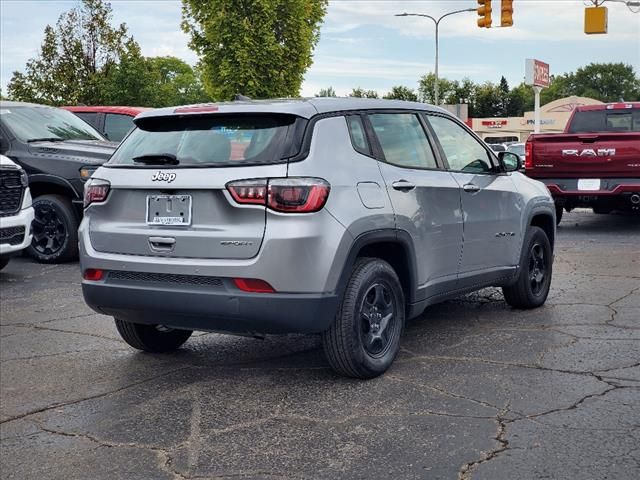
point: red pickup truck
(595, 163)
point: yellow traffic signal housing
(595, 20)
(484, 12)
(506, 19)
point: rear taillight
(288, 195)
(93, 274)
(96, 191)
(528, 155)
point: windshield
(33, 123)
(208, 141)
(627, 120)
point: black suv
(59, 152)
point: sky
(362, 44)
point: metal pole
(437, 86)
(536, 113)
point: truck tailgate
(585, 155)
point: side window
(90, 117)
(358, 135)
(464, 153)
(117, 126)
(403, 140)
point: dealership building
(553, 118)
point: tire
(536, 268)
(4, 262)
(559, 212)
(55, 230)
(360, 343)
(152, 338)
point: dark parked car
(113, 122)
(59, 152)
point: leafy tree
(258, 48)
(177, 83)
(426, 88)
(608, 82)
(361, 93)
(73, 58)
(326, 92)
(400, 92)
(488, 100)
(131, 81)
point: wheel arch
(546, 222)
(391, 245)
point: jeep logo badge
(163, 177)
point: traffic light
(484, 12)
(506, 19)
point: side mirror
(511, 161)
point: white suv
(16, 212)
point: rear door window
(403, 140)
(90, 117)
(116, 126)
(210, 141)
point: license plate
(168, 209)
(591, 184)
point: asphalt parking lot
(479, 390)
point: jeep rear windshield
(619, 120)
(211, 141)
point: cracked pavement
(479, 391)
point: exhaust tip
(635, 199)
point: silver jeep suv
(344, 217)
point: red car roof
(131, 111)
(609, 106)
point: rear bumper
(212, 308)
(19, 239)
(609, 187)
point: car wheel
(559, 212)
(365, 336)
(4, 262)
(534, 280)
(152, 338)
(55, 230)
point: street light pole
(437, 24)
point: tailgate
(215, 227)
(587, 155)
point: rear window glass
(606, 121)
(212, 140)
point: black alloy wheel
(55, 230)
(377, 314)
(537, 268)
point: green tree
(176, 82)
(131, 81)
(326, 92)
(258, 48)
(400, 92)
(608, 82)
(488, 100)
(361, 93)
(74, 57)
(426, 88)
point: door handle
(162, 244)
(471, 188)
(403, 185)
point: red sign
(494, 123)
(537, 73)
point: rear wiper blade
(157, 159)
(46, 139)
